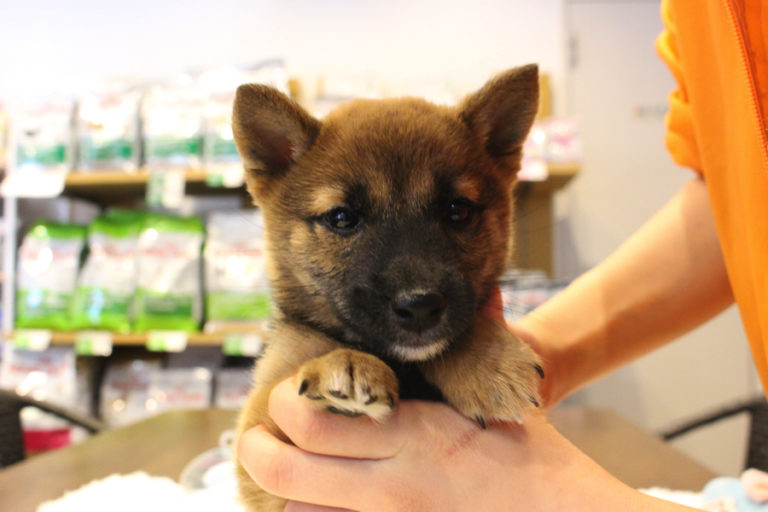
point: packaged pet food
(232, 387)
(44, 137)
(172, 117)
(180, 388)
(125, 391)
(237, 289)
(49, 259)
(168, 290)
(49, 376)
(107, 281)
(107, 127)
(222, 162)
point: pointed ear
(271, 131)
(501, 113)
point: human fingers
(318, 431)
(287, 471)
(297, 506)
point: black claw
(303, 387)
(348, 414)
(371, 400)
(539, 370)
(534, 401)
(391, 401)
(338, 394)
(481, 422)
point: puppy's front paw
(495, 376)
(349, 382)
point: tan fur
(399, 165)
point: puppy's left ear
(501, 113)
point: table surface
(164, 444)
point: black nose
(419, 312)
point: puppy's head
(388, 221)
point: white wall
(53, 46)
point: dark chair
(11, 438)
(757, 444)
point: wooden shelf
(106, 186)
(140, 339)
(120, 178)
(559, 174)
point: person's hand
(424, 457)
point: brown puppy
(387, 225)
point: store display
(232, 387)
(49, 376)
(168, 290)
(222, 162)
(179, 388)
(44, 139)
(125, 392)
(237, 289)
(107, 281)
(107, 126)
(49, 259)
(172, 121)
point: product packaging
(172, 117)
(232, 387)
(168, 290)
(179, 388)
(237, 289)
(44, 137)
(47, 376)
(222, 162)
(107, 281)
(125, 392)
(107, 125)
(49, 259)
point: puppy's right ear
(271, 131)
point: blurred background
(596, 169)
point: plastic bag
(49, 259)
(168, 291)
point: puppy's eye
(341, 219)
(460, 211)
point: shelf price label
(166, 341)
(243, 344)
(37, 340)
(93, 343)
(165, 187)
(224, 176)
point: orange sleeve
(680, 135)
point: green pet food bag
(107, 281)
(237, 290)
(168, 290)
(49, 258)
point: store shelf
(105, 186)
(558, 175)
(140, 339)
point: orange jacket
(716, 50)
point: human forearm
(668, 278)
